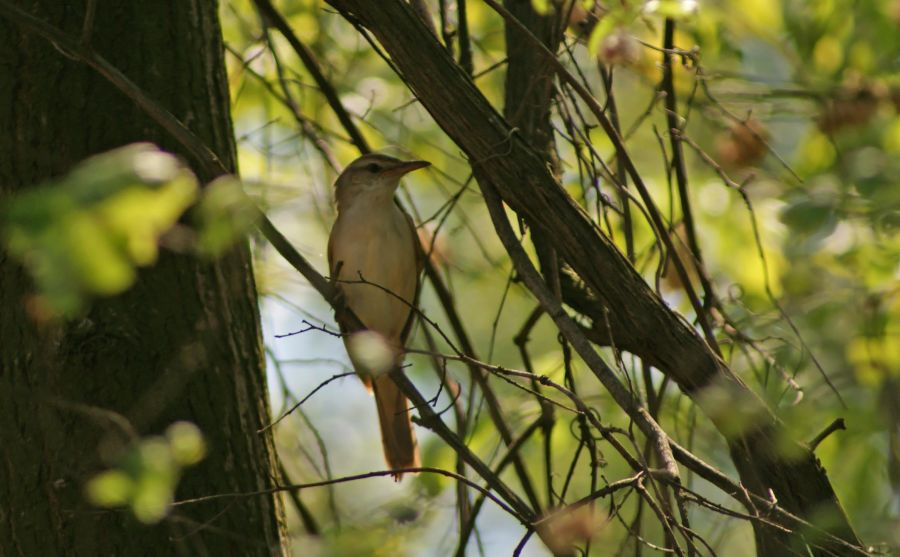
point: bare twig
(304, 399)
(353, 478)
(306, 55)
(571, 331)
(306, 516)
(836, 425)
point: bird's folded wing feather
(420, 264)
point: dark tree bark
(183, 344)
(528, 92)
(639, 321)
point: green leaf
(146, 476)
(223, 215)
(141, 215)
(86, 233)
(112, 488)
(186, 443)
(152, 498)
(542, 7)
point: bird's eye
(372, 167)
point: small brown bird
(375, 244)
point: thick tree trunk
(183, 343)
(638, 320)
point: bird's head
(373, 177)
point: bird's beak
(405, 167)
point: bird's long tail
(397, 436)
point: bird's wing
(333, 275)
(331, 252)
(367, 381)
(420, 264)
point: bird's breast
(376, 247)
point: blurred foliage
(87, 232)
(223, 216)
(146, 475)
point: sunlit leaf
(542, 7)
(603, 28)
(758, 16)
(223, 215)
(146, 475)
(816, 153)
(828, 54)
(891, 137)
(186, 443)
(152, 498)
(86, 233)
(110, 489)
(874, 359)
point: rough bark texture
(183, 343)
(528, 91)
(639, 321)
(529, 78)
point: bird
(375, 260)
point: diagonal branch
(639, 320)
(274, 18)
(623, 397)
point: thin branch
(465, 44)
(678, 163)
(306, 516)
(593, 496)
(574, 335)
(274, 17)
(467, 527)
(432, 421)
(304, 399)
(836, 425)
(467, 349)
(757, 238)
(87, 26)
(616, 140)
(353, 478)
